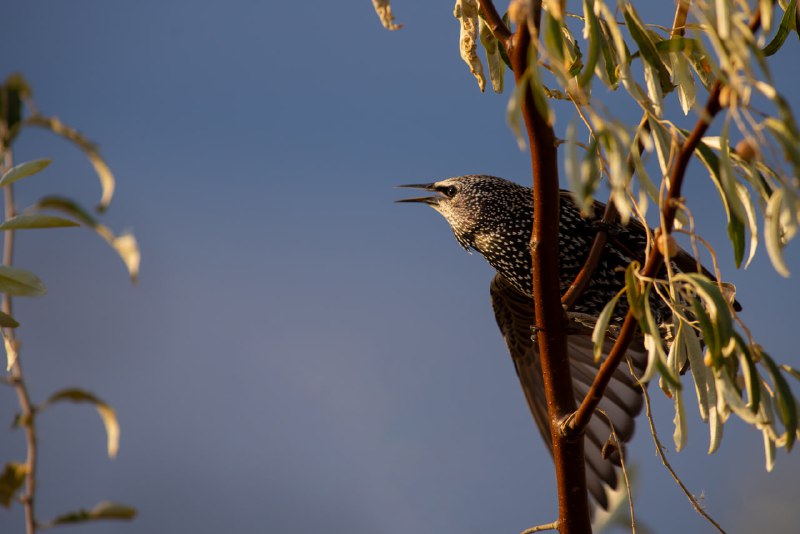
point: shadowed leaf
(30, 221)
(11, 480)
(23, 170)
(105, 510)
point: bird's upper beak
(431, 201)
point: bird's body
(495, 217)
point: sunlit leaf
(633, 292)
(773, 233)
(647, 47)
(384, 11)
(29, 221)
(20, 283)
(466, 11)
(23, 170)
(11, 480)
(494, 59)
(601, 327)
(594, 34)
(750, 374)
(125, 244)
(787, 407)
(105, 510)
(786, 26)
(701, 375)
(89, 149)
(107, 413)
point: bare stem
(496, 23)
(17, 379)
(568, 453)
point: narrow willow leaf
(7, 321)
(107, 413)
(680, 433)
(715, 422)
(707, 329)
(701, 374)
(750, 374)
(654, 90)
(634, 294)
(785, 27)
(20, 283)
(494, 60)
(684, 81)
(787, 407)
(601, 327)
(773, 233)
(609, 57)
(125, 245)
(89, 149)
(105, 510)
(384, 11)
(769, 451)
(514, 110)
(647, 47)
(594, 34)
(663, 143)
(23, 170)
(11, 480)
(676, 359)
(466, 11)
(752, 221)
(717, 306)
(29, 221)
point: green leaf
(20, 283)
(494, 60)
(787, 406)
(595, 36)
(601, 327)
(23, 170)
(647, 47)
(786, 26)
(632, 290)
(105, 510)
(11, 480)
(773, 233)
(750, 374)
(700, 373)
(28, 221)
(107, 413)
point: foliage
(714, 52)
(15, 99)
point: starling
(494, 217)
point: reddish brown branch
(578, 421)
(496, 23)
(573, 514)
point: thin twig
(660, 451)
(496, 24)
(17, 377)
(621, 451)
(541, 528)
(655, 259)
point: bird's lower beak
(431, 201)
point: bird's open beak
(431, 201)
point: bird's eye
(450, 191)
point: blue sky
(300, 353)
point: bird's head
(475, 205)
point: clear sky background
(301, 355)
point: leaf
(700, 373)
(105, 510)
(466, 11)
(20, 283)
(647, 48)
(684, 81)
(384, 11)
(601, 327)
(787, 406)
(107, 413)
(89, 149)
(23, 170)
(635, 297)
(29, 221)
(125, 244)
(593, 33)
(785, 27)
(773, 233)
(494, 60)
(11, 481)
(750, 374)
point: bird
(494, 217)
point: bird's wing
(622, 402)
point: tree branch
(573, 514)
(578, 421)
(496, 24)
(17, 379)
